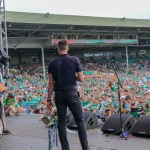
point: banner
(89, 72)
(98, 42)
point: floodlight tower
(3, 37)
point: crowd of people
(27, 91)
(98, 92)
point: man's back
(63, 69)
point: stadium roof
(47, 18)
(33, 30)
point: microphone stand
(119, 85)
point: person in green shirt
(147, 109)
(10, 105)
(84, 101)
(134, 107)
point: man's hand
(49, 105)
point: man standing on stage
(63, 72)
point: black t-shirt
(63, 69)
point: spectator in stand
(10, 105)
(134, 107)
(107, 114)
(148, 109)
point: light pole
(43, 62)
(127, 62)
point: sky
(138, 9)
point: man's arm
(79, 76)
(50, 90)
(79, 73)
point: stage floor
(31, 134)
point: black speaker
(142, 126)
(113, 125)
(90, 118)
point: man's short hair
(106, 110)
(127, 98)
(62, 45)
(10, 95)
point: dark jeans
(70, 99)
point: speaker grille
(90, 118)
(142, 126)
(113, 123)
